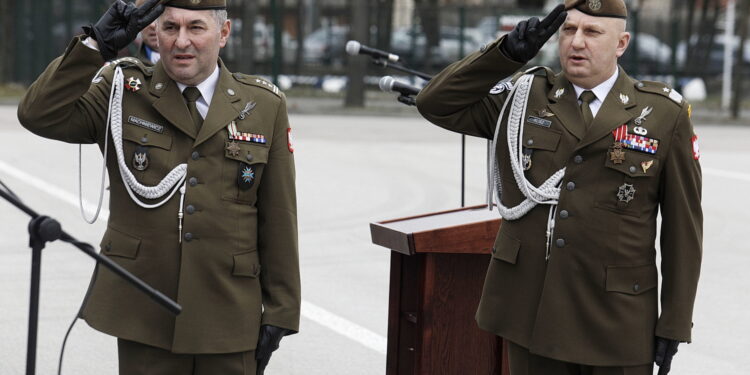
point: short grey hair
(221, 16)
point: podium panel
(438, 265)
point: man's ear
(226, 29)
(623, 43)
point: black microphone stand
(43, 229)
(385, 64)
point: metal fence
(674, 40)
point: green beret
(599, 8)
(196, 4)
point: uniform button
(633, 169)
(144, 140)
(530, 142)
(195, 155)
(193, 181)
(578, 159)
(571, 186)
(188, 236)
(636, 287)
(190, 209)
(560, 242)
(564, 214)
(249, 157)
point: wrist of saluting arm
(91, 43)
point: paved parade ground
(351, 170)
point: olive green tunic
(237, 266)
(595, 301)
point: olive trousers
(523, 362)
(140, 359)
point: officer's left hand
(528, 37)
(121, 24)
(268, 342)
(665, 350)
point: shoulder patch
(660, 88)
(257, 81)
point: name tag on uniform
(539, 121)
(146, 124)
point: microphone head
(352, 47)
(386, 84)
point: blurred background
(699, 46)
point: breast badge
(616, 153)
(559, 93)
(646, 165)
(626, 193)
(233, 149)
(634, 141)
(236, 135)
(246, 177)
(140, 158)
(246, 111)
(133, 84)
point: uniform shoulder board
(257, 81)
(660, 88)
(542, 71)
(125, 63)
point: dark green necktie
(192, 94)
(586, 98)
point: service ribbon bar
(635, 142)
(245, 137)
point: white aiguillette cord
(547, 193)
(168, 186)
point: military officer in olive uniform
(202, 205)
(584, 162)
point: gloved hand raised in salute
(528, 37)
(121, 24)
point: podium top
(466, 230)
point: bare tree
(384, 21)
(739, 65)
(355, 90)
(247, 52)
(429, 15)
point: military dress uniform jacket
(237, 265)
(594, 302)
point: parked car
(409, 43)
(326, 45)
(654, 56)
(715, 64)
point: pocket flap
(248, 153)
(538, 138)
(145, 137)
(246, 264)
(506, 248)
(636, 164)
(631, 279)
(116, 243)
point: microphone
(353, 47)
(389, 84)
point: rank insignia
(559, 93)
(646, 165)
(233, 148)
(616, 153)
(236, 135)
(626, 193)
(133, 84)
(635, 142)
(140, 158)
(624, 99)
(246, 177)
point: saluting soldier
(583, 163)
(202, 203)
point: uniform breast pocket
(147, 153)
(629, 186)
(242, 171)
(539, 146)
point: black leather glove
(121, 24)
(268, 342)
(528, 37)
(665, 350)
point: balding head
(590, 47)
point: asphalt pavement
(352, 170)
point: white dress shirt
(601, 91)
(207, 88)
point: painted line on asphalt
(727, 174)
(317, 314)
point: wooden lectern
(438, 266)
